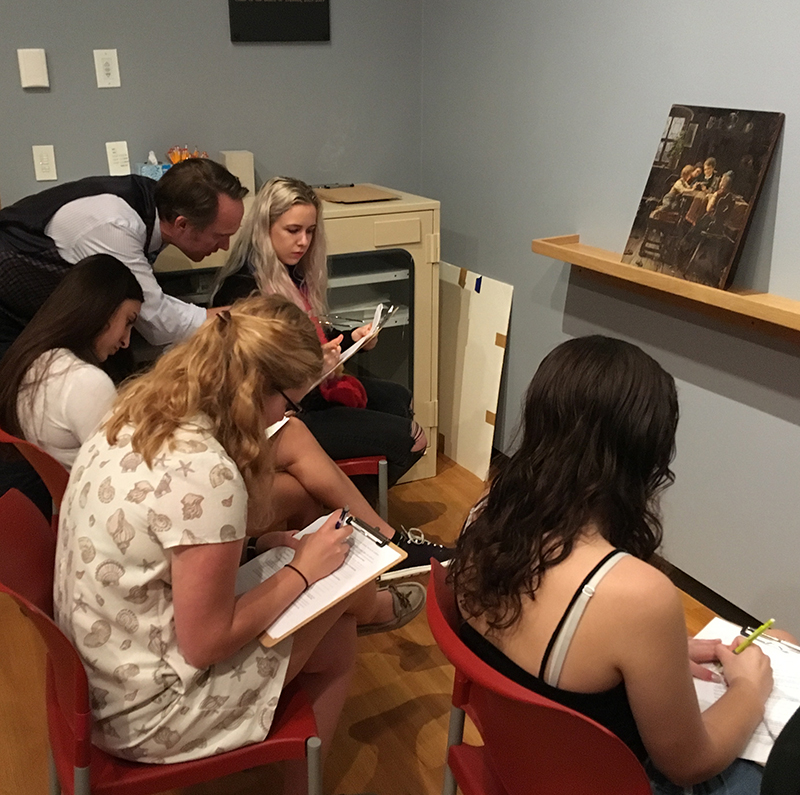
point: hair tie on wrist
(294, 568)
(250, 550)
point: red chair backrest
(28, 550)
(527, 737)
(26, 575)
(52, 472)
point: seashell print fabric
(113, 598)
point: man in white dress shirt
(196, 206)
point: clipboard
(382, 314)
(370, 555)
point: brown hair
(192, 187)
(598, 436)
(259, 346)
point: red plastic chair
(371, 465)
(26, 575)
(52, 472)
(531, 744)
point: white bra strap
(564, 639)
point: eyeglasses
(291, 406)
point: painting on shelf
(698, 200)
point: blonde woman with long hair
(281, 250)
(151, 535)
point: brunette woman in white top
(52, 390)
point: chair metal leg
(54, 785)
(82, 781)
(455, 734)
(383, 490)
(314, 762)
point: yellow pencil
(753, 635)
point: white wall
(542, 119)
(347, 110)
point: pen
(342, 516)
(772, 639)
(750, 638)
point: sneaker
(408, 600)
(419, 551)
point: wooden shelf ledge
(748, 305)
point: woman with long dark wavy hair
(553, 580)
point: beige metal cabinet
(410, 223)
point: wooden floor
(392, 734)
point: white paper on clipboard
(382, 314)
(366, 560)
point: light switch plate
(44, 162)
(33, 68)
(106, 67)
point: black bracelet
(250, 550)
(294, 568)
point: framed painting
(699, 197)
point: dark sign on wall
(280, 20)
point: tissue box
(154, 171)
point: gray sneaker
(408, 599)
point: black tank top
(610, 708)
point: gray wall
(532, 119)
(344, 110)
(542, 119)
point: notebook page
(382, 314)
(782, 702)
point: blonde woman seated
(281, 250)
(568, 525)
(151, 534)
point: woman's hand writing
(363, 331)
(750, 666)
(703, 651)
(331, 353)
(321, 553)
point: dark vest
(22, 224)
(30, 265)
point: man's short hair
(191, 188)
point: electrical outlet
(44, 162)
(106, 67)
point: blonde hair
(224, 370)
(254, 246)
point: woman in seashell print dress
(151, 535)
